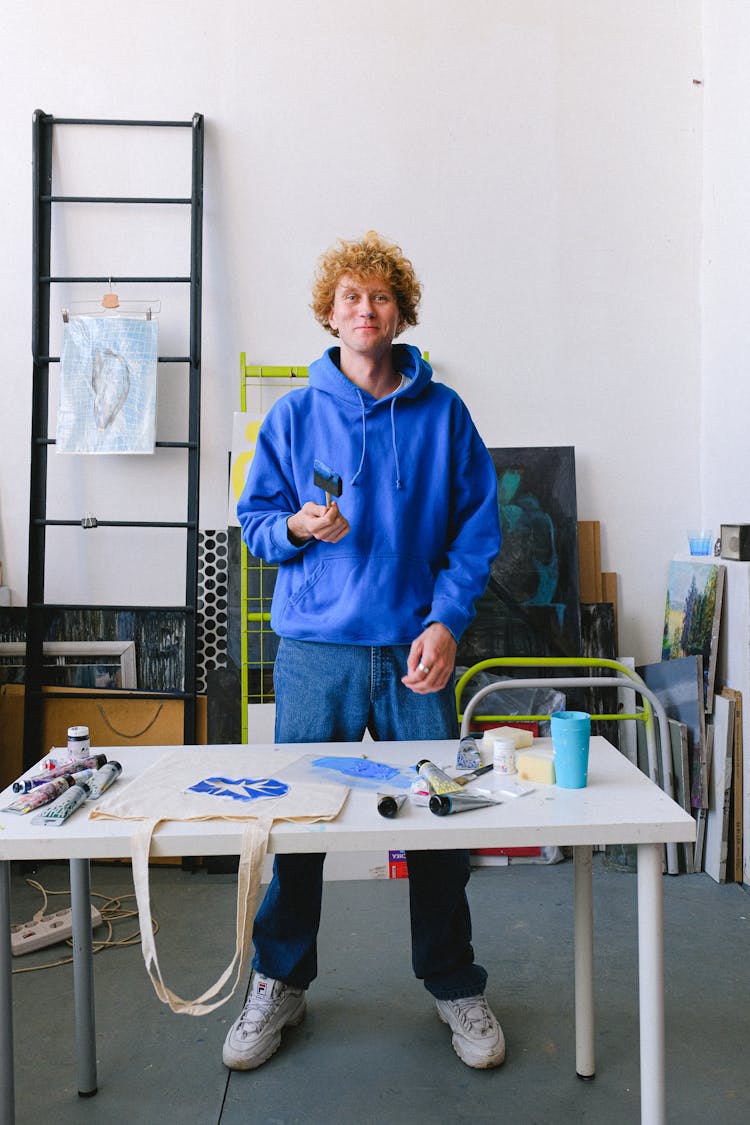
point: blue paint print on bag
(241, 788)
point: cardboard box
(11, 733)
(128, 720)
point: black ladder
(38, 610)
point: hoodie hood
(326, 376)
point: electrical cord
(112, 912)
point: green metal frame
(553, 662)
(258, 619)
(622, 677)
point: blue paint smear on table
(365, 771)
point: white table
(619, 806)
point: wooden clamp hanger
(110, 305)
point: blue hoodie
(419, 492)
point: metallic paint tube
(64, 770)
(40, 795)
(103, 778)
(438, 780)
(390, 804)
(443, 804)
(58, 812)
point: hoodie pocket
(375, 599)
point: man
(372, 595)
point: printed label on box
(397, 868)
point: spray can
(79, 745)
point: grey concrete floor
(372, 1049)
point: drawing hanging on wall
(692, 616)
(107, 401)
(531, 605)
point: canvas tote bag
(161, 794)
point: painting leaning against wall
(692, 616)
(531, 604)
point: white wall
(725, 403)
(540, 161)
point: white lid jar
(503, 755)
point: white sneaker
(478, 1039)
(256, 1034)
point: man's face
(365, 314)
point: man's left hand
(432, 657)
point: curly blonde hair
(371, 257)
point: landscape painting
(692, 616)
(678, 684)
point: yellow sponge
(536, 765)
(521, 737)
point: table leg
(83, 976)
(651, 984)
(584, 961)
(7, 1087)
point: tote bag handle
(252, 854)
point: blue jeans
(333, 693)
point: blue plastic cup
(571, 733)
(700, 542)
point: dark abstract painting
(531, 605)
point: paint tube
(103, 778)
(24, 784)
(40, 795)
(390, 804)
(79, 776)
(419, 791)
(468, 756)
(51, 763)
(443, 804)
(441, 782)
(58, 812)
(438, 780)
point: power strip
(47, 931)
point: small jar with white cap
(79, 744)
(503, 756)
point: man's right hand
(315, 521)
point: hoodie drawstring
(399, 485)
(393, 443)
(364, 439)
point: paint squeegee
(329, 481)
